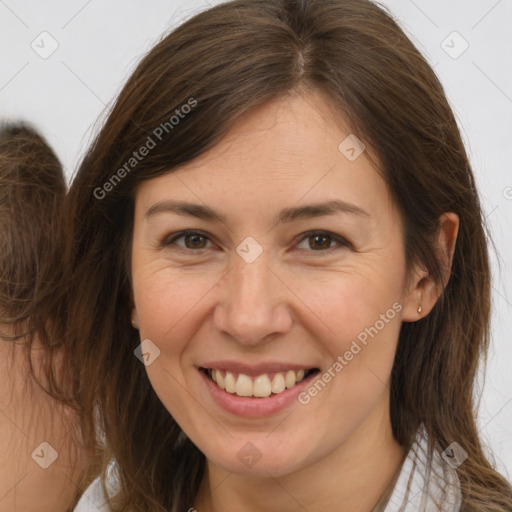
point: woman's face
(262, 301)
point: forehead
(291, 150)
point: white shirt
(433, 488)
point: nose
(254, 303)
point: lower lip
(251, 407)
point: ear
(424, 292)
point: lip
(252, 407)
(253, 370)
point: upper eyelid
(175, 236)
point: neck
(354, 477)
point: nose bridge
(253, 304)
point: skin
(296, 302)
(29, 417)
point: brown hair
(32, 190)
(231, 59)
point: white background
(100, 42)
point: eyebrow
(284, 216)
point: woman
(280, 275)
(39, 453)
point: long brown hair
(32, 190)
(231, 59)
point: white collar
(433, 487)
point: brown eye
(320, 241)
(193, 240)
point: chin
(258, 458)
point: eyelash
(166, 242)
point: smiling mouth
(261, 386)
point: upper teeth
(260, 387)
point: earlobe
(416, 303)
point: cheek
(363, 322)
(166, 302)
(169, 309)
(354, 304)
